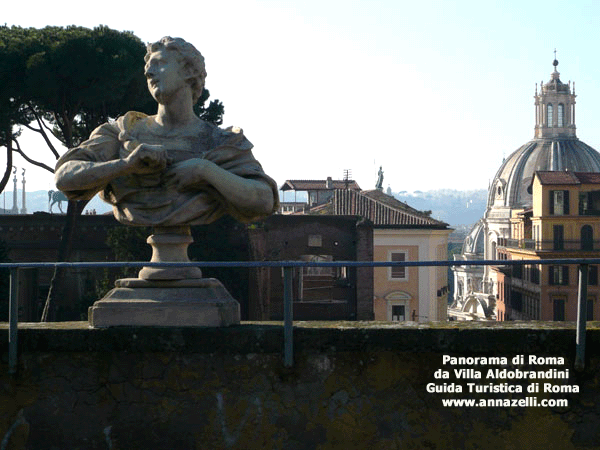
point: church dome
(473, 244)
(554, 147)
(510, 187)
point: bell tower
(555, 107)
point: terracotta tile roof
(316, 185)
(381, 209)
(557, 177)
(566, 177)
(588, 177)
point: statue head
(191, 60)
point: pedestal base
(182, 303)
(170, 244)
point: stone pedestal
(170, 296)
(183, 303)
(170, 244)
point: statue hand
(146, 159)
(184, 175)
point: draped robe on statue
(144, 199)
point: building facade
(564, 222)
(555, 147)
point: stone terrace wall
(353, 386)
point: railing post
(581, 317)
(13, 320)
(288, 313)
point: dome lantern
(554, 107)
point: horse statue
(56, 197)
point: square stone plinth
(187, 303)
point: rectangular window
(516, 301)
(535, 274)
(559, 275)
(583, 203)
(396, 272)
(559, 237)
(589, 203)
(593, 275)
(559, 203)
(559, 309)
(561, 114)
(590, 309)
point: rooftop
(382, 209)
(316, 185)
(567, 177)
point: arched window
(561, 115)
(587, 237)
(550, 114)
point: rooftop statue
(379, 184)
(171, 168)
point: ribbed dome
(512, 181)
(473, 244)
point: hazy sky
(436, 92)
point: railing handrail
(287, 269)
(291, 263)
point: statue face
(164, 75)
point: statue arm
(252, 197)
(75, 176)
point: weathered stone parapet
(353, 385)
(267, 337)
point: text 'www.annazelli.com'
(505, 402)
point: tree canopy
(67, 81)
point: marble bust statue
(169, 169)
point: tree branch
(9, 162)
(29, 160)
(41, 131)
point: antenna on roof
(347, 177)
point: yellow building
(402, 233)
(564, 222)
(410, 293)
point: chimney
(329, 183)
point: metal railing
(550, 245)
(288, 266)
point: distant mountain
(38, 201)
(451, 206)
(448, 205)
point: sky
(435, 92)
